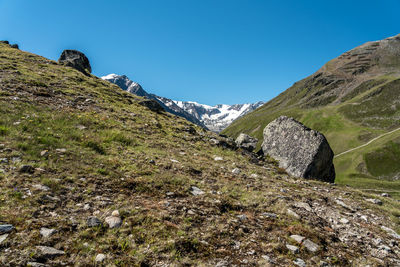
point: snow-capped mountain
(128, 85)
(218, 117)
(215, 118)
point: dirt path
(366, 144)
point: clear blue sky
(209, 51)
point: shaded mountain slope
(132, 87)
(75, 146)
(351, 100)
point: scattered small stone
(41, 187)
(302, 205)
(35, 264)
(61, 150)
(26, 169)
(310, 246)
(81, 127)
(6, 228)
(236, 171)
(44, 153)
(293, 249)
(152, 161)
(174, 161)
(114, 221)
(292, 213)
(344, 221)
(341, 203)
(375, 201)
(269, 215)
(218, 158)
(86, 207)
(93, 221)
(17, 123)
(299, 262)
(170, 194)
(191, 212)
(297, 238)
(196, 191)
(242, 217)
(46, 232)
(283, 190)
(49, 252)
(385, 195)
(390, 232)
(3, 238)
(253, 175)
(100, 257)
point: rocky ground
(91, 177)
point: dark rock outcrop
(302, 152)
(246, 142)
(76, 60)
(152, 104)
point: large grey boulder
(76, 60)
(246, 142)
(302, 152)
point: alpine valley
(93, 175)
(354, 100)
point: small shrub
(3, 130)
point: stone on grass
(114, 221)
(46, 232)
(49, 252)
(375, 201)
(246, 142)
(292, 248)
(236, 171)
(297, 238)
(269, 215)
(93, 221)
(196, 191)
(6, 228)
(100, 257)
(293, 214)
(302, 152)
(310, 246)
(3, 238)
(218, 158)
(299, 262)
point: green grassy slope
(351, 100)
(93, 149)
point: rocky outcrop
(76, 60)
(302, 152)
(246, 142)
(152, 104)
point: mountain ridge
(215, 118)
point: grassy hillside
(351, 100)
(73, 147)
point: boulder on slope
(302, 152)
(246, 142)
(76, 60)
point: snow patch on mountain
(218, 117)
